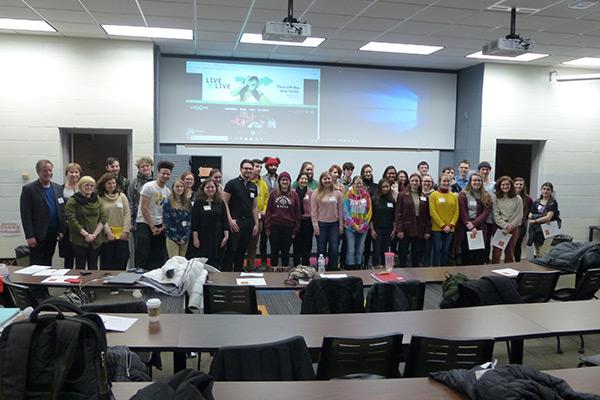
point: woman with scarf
(115, 249)
(86, 218)
(304, 238)
(357, 217)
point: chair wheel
(559, 351)
(581, 350)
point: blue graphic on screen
(397, 108)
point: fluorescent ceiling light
(25, 25)
(582, 77)
(256, 38)
(588, 61)
(523, 57)
(400, 48)
(149, 32)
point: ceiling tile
(444, 15)
(59, 4)
(170, 22)
(119, 19)
(17, 12)
(160, 8)
(65, 15)
(348, 7)
(219, 26)
(372, 24)
(75, 28)
(327, 20)
(392, 10)
(111, 6)
(576, 26)
(462, 31)
(419, 28)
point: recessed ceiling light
(400, 48)
(256, 38)
(149, 32)
(25, 25)
(523, 57)
(587, 61)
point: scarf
(301, 193)
(82, 200)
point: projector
(286, 31)
(508, 47)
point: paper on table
(252, 274)
(500, 240)
(550, 229)
(59, 279)
(251, 281)
(506, 272)
(32, 269)
(475, 240)
(119, 324)
(334, 276)
(303, 282)
(51, 272)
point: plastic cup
(389, 261)
(153, 306)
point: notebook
(123, 278)
(386, 277)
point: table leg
(516, 351)
(179, 361)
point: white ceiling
(461, 26)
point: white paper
(32, 269)
(59, 279)
(550, 229)
(500, 240)
(118, 324)
(252, 274)
(475, 240)
(51, 272)
(251, 282)
(334, 276)
(303, 282)
(506, 272)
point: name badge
(390, 205)
(540, 207)
(184, 223)
(363, 201)
(305, 197)
(472, 203)
(119, 205)
(423, 198)
(61, 200)
(331, 198)
(207, 208)
(252, 195)
(441, 200)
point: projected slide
(240, 103)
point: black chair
(585, 289)
(537, 287)
(26, 296)
(396, 296)
(333, 296)
(230, 300)
(285, 360)
(360, 357)
(437, 354)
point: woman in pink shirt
(327, 219)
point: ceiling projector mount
(512, 45)
(289, 30)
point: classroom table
(514, 322)
(580, 379)
(94, 280)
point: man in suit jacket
(42, 214)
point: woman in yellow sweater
(443, 208)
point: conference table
(276, 280)
(580, 379)
(513, 322)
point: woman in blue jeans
(326, 215)
(357, 217)
(443, 209)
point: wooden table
(580, 379)
(94, 280)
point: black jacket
(510, 382)
(487, 291)
(34, 211)
(333, 296)
(184, 385)
(396, 296)
(572, 256)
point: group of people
(423, 222)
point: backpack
(54, 356)
(450, 288)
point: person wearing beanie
(282, 220)
(443, 209)
(270, 178)
(86, 218)
(357, 212)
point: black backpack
(54, 356)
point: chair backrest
(587, 287)
(128, 307)
(21, 295)
(230, 300)
(438, 354)
(396, 296)
(537, 287)
(333, 296)
(343, 357)
(285, 360)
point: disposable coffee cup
(389, 261)
(153, 306)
